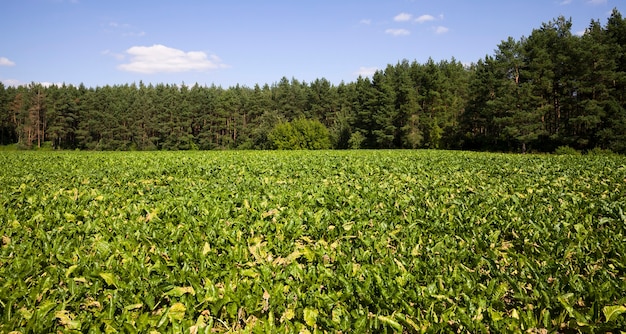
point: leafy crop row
(354, 241)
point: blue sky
(111, 42)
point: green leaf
(564, 300)
(612, 312)
(390, 322)
(45, 307)
(133, 307)
(109, 278)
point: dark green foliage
(549, 89)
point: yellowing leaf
(206, 249)
(181, 290)
(612, 312)
(288, 315)
(177, 312)
(67, 319)
(151, 215)
(310, 316)
(70, 270)
(25, 313)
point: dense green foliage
(300, 134)
(550, 89)
(280, 241)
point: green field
(350, 241)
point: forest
(551, 89)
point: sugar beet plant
(354, 241)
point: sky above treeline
(245, 42)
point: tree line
(550, 89)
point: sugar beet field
(323, 241)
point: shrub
(597, 151)
(566, 150)
(300, 134)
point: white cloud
(6, 62)
(440, 30)
(48, 84)
(160, 58)
(17, 83)
(366, 21)
(402, 17)
(12, 82)
(566, 2)
(366, 71)
(424, 18)
(397, 32)
(580, 33)
(597, 2)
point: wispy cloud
(118, 56)
(397, 32)
(366, 71)
(565, 2)
(162, 59)
(440, 30)
(115, 24)
(126, 29)
(134, 34)
(424, 18)
(6, 62)
(597, 2)
(403, 17)
(366, 21)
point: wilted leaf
(66, 319)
